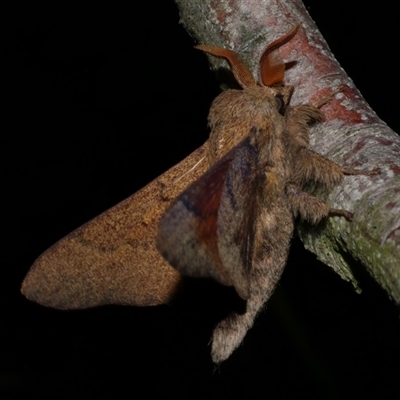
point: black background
(98, 105)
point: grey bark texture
(352, 135)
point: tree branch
(352, 135)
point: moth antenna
(272, 67)
(238, 67)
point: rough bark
(352, 134)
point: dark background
(96, 107)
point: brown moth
(234, 223)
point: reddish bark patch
(381, 140)
(384, 141)
(391, 205)
(396, 169)
(221, 11)
(392, 235)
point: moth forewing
(235, 232)
(187, 234)
(112, 259)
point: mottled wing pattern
(112, 259)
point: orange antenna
(272, 67)
(238, 67)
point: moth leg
(311, 166)
(311, 209)
(349, 171)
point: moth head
(271, 67)
(282, 96)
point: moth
(227, 211)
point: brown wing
(187, 235)
(209, 229)
(237, 216)
(112, 259)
